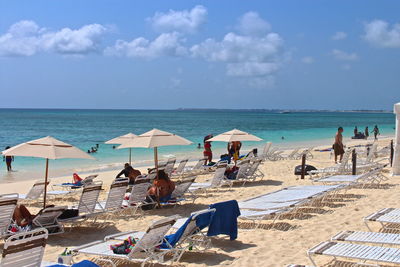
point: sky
(114, 54)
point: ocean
(86, 128)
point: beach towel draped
(224, 220)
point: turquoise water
(85, 128)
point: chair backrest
(181, 166)
(154, 235)
(219, 175)
(243, 168)
(199, 164)
(89, 179)
(169, 167)
(192, 228)
(139, 190)
(266, 148)
(345, 160)
(89, 198)
(24, 249)
(152, 175)
(372, 152)
(8, 202)
(181, 187)
(37, 190)
(116, 195)
(253, 167)
(48, 216)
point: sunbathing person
(22, 216)
(129, 172)
(162, 187)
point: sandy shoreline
(285, 244)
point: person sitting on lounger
(162, 187)
(22, 216)
(129, 172)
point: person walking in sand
(376, 132)
(338, 145)
(366, 132)
(8, 160)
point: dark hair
(162, 175)
(7, 147)
(340, 128)
(126, 164)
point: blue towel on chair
(224, 220)
(202, 221)
(84, 263)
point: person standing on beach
(8, 160)
(355, 131)
(376, 132)
(366, 131)
(338, 145)
(207, 153)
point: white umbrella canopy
(122, 139)
(234, 135)
(48, 148)
(396, 158)
(154, 139)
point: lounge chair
(37, 191)
(182, 192)
(137, 197)
(169, 167)
(145, 250)
(8, 202)
(87, 204)
(364, 253)
(253, 172)
(180, 169)
(24, 249)
(368, 237)
(48, 218)
(386, 217)
(198, 168)
(340, 168)
(217, 181)
(371, 177)
(115, 197)
(88, 180)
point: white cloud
(254, 53)
(166, 44)
(341, 55)
(26, 38)
(252, 24)
(307, 60)
(381, 34)
(339, 36)
(187, 21)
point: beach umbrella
(396, 158)
(48, 148)
(234, 135)
(154, 139)
(122, 139)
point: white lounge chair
(115, 198)
(368, 237)
(253, 172)
(198, 168)
(386, 217)
(144, 251)
(24, 249)
(169, 167)
(340, 168)
(181, 167)
(182, 192)
(48, 218)
(365, 253)
(217, 181)
(371, 177)
(8, 202)
(137, 197)
(87, 204)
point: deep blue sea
(85, 128)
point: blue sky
(200, 54)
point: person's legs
(335, 158)
(9, 166)
(341, 157)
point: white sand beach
(286, 243)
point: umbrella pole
(156, 160)
(45, 183)
(130, 156)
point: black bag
(71, 213)
(297, 169)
